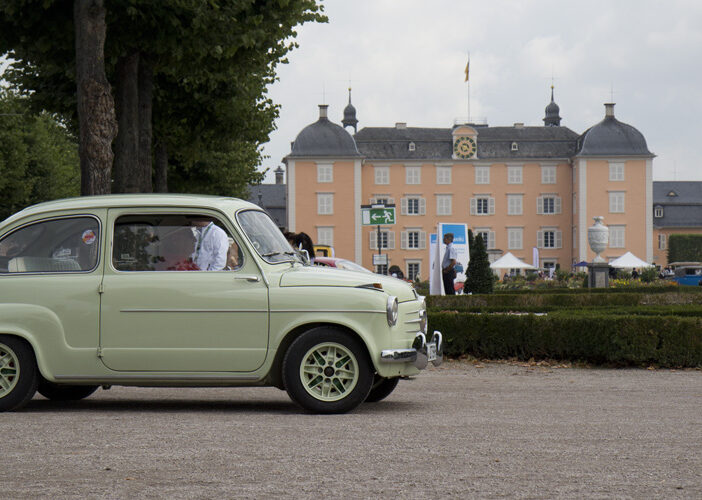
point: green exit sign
(372, 215)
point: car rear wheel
(327, 371)
(57, 392)
(382, 387)
(18, 373)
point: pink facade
(521, 187)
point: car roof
(134, 200)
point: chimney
(279, 175)
(401, 126)
(519, 125)
(323, 111)
(609, 110)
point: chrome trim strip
(157, 377)
(196, 310)
(418, 320)
(326, 311)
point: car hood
(326, 276)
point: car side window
(63, 245)
(173, 242)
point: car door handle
(253, 279)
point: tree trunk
(161, 167)
(146, 96)
(96, 108)
(127, 174)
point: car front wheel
(18, 373)
(382, 388)
(327, 371)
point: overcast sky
(405, 59)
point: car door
(160, 314)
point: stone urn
(597, 237)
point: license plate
(431, 352)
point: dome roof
(552, 119)
(324, 138)
(350, 115)
(611, 137)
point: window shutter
(403, 240)
(373, 240)
(557, 205)
(422, 206)
(422, 240)
(403, 208)
(559, 239)
(540, 205)
(473, 206)
(491, 206)
(391, 240)
(539, 239)
(491, 240)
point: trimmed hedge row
(543, 301)
(666, 341)
(692, 311)
(607, 291)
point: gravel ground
(464, 430)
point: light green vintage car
(193, 291)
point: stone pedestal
(598, 275)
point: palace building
(520, 187)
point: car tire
(18, 373)
(327, 371)
(56, 392)
(382, 388)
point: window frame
(100, 241)
(444, 204)
(320, 203)
(617, 198)
(549, 174)
(413, 175)
(381, 173)
(482, 174)
(443, 174)
(325, 173)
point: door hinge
(101, 288)
(99, 352)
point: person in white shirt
(211, 246)
(448, 272)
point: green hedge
(665, 341)
(685, 248)
(542, 302)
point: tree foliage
(38, 157)
(479, 279)
(210, 63)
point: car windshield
(350, 266)
(266, 238)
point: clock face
(464, 147)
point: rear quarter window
(69, 244)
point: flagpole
(467, 72)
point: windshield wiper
(273, 254)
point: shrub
(685, 248)
(666, 341)
(479, 278)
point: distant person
(634, 274)
(448, 272)
(211, 245)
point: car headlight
(392, 309)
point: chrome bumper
(420, 354)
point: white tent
(628, 261)
(509, 261)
